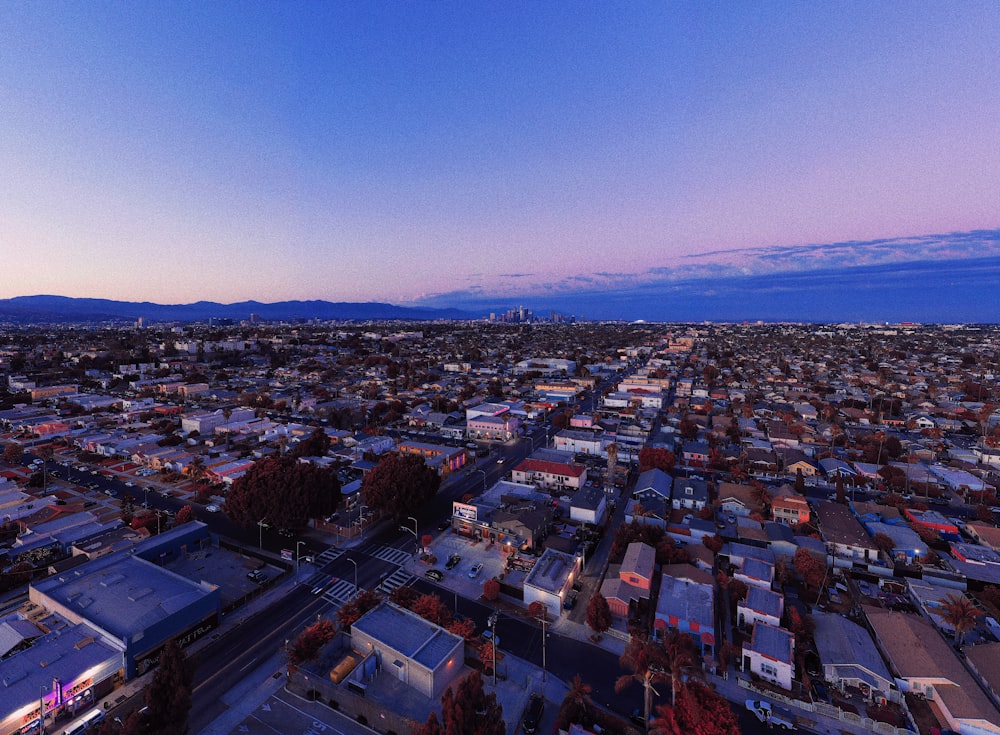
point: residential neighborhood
(804, 516)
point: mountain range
(63, 309)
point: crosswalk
(329, 555)
(386, 553)
(399, 578)
(340, 592)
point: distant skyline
(611, 160)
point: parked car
(453, 561)
(767, 713)
(434, 574)
(213, 508)
(570, 601)
(476, 569)
(533, 713)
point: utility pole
(544, 636)
(492, 622)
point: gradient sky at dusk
(407, 151)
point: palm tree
(647, 661)
(681, 656)
(960, 613)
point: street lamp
(355, 574)
(297, 545)
(261, 524)
(145, 497)
(361, 519)
(414, 531)
(484, 478)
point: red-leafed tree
(811, 569)
(400, 485)
(315, 445)
(404, 596)
(469, 710)
(491, 590)
(348, 614)
(307, 645)
(184, 515)
(537, 610)
(284, 491)
(432, 726)
(656, 458)
(464, 627)
(700, 711)
(12, 453)
(712, 543)
(599, 616)
(430, 607)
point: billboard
(466, 511)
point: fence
(828, 710)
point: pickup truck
(768, 714)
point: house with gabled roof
(849, 657)
(687, 603)
(760, 605)
(633, 580)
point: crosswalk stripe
(397, 579)
(330, 554)
(341, 591)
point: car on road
(434, 574)
(500, 461)
(453, 561)
(476, 569)
(213, 508)
(533, 713)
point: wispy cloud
(739, 277)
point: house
(633, 580)
(756, 573)
(737, 499)
(760, 605)
(769, 654)
(589, 505)
(696, 454)
(550, 475)
(687, 603)
(833, 467)
(906, 544)
(924, 663)
(790, 510)
(654, 512)
(850, 658)
(843, 533)
(653, 483)
(691, 493)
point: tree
(576, 705)
(491, 590)
(464, 627)
(647, 662)
(883, 542)
(960, 613)
(168, 697)
(184, 515)
(285, 491)
(12, 453)
(400, 485)
(127, 508)
(712, 543)
(700, 711)
(841, 496)
(681, 658)
(315, 445)
(307, 645)
(537, 611)
(430, 607)
(656, 458)
(800, 482)
(467, 710)
(811, 569)
(599, 616)
(349, 613)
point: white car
(213, 508)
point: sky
(493, 153)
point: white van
(84, 723)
